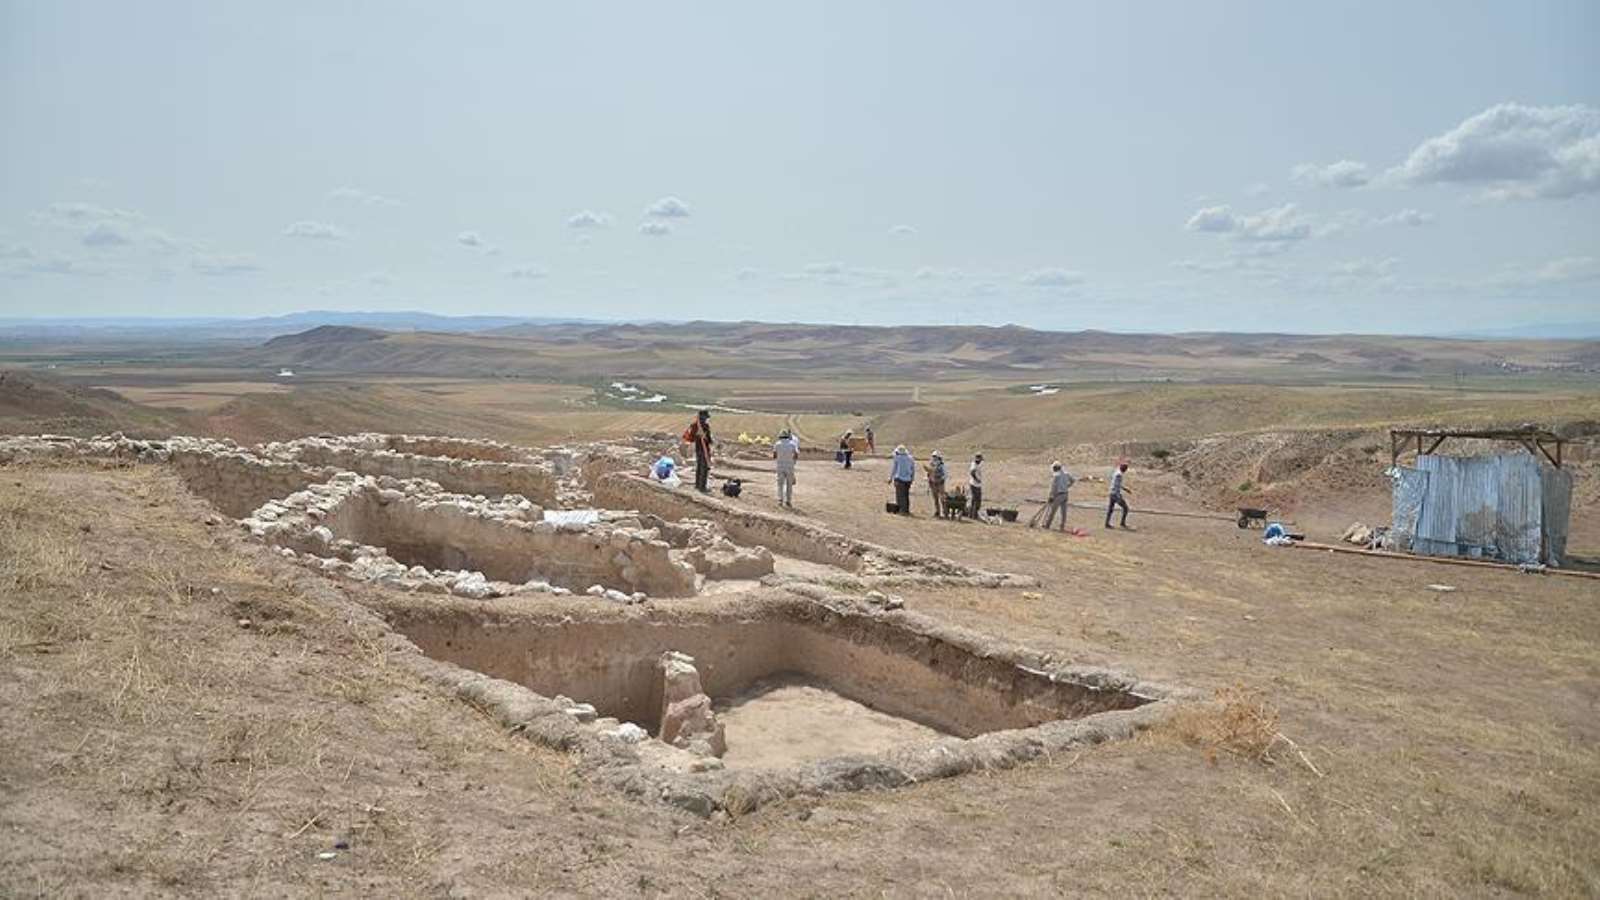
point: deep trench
(436, 539)
(891, 669)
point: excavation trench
(792, 684)
(445, 536)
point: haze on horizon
(1417, 167)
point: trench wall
(895, 670)
(238, 484)
(461, 476)
(456, 448)
(446, 536)
(621, 490)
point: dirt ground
(178, 717)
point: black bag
(732, 487)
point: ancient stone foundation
(870, 563)
(466, 467)
(622, 684)
(780, 685)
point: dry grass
(1239, 721)
(134, 696)
(153, 745)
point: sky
(1419, 167)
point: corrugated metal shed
(1506, 507)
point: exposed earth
(185, 711)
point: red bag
(688, 435)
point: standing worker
(936, 478)
(786, 452)
(902, 471)
(975, 484)
(699, 434)
(872, 443)
(1060, 482)
(1117, 490)
(845, 450)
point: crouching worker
(902, 471)
(786, 452)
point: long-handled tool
(1033, 521)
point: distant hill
(198, 329)
(1556, 330)
(31, 404)
(790, 350)
(325, 334)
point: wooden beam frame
(1537, 441)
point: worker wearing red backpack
(699, 434)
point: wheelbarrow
(1250, 516)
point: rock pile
(687, 720)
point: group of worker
(903, 473)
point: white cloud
(1566, 270)
(1052, 278)
(356, 195)
(1278, 224)
(655, 229)
(1566, 275)
(1369, 268)
(315, 231)
(224, 265)
(106, 234)
(16, 251)
(1258, 189)
(932, 272)
(838, 274)
(1412, 218)
(103, 227)
(1513, 151)
(527, 272)
(475, 240)
(902, 230)
(1345, 173)
(62, 265)
(586, 218)
(74, 215)
(380, 279)
(668, 208)
(747, 274)
(1219, 219)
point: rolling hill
(755, 350)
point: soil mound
(32, 404)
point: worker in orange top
(699, 434)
